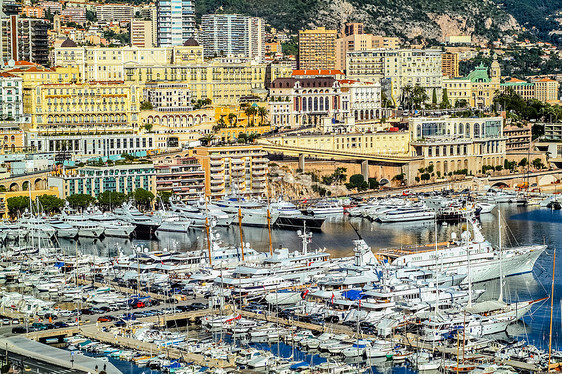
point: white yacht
(113, 226)
(144, 225)
(484, 259)
(86, 228)
(64, 230)
(409, 214)
(172, 222)
(253, 213)
(326, 207)
(36, 227)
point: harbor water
(520, 226)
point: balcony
(217, 181)
(217, 188)
(258, 185)
(217, 169)
(217, 176)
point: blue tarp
(352, 294)
(299, 365)
(59, 264)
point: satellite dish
(11, 63)
(139, 249)
(217, 236)
(453, 236)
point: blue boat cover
(352, 294)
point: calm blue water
(521, 226)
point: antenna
(356, 231)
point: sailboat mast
(240, 227)
(208, 233)
(551, 311)
(500, 298)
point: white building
(11, 103)
(168, 97)
(401, 67)
(114, 12)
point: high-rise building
(175, 21)
(353, 28)
(233, 35)
(75, 14)
(361, 42)
(24, 39)
(142, 35)
(450, 64)
(317, 49)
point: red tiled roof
(317, 72)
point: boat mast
(500, 298)
(269, 223)
(551, 311)
(240, 226)
(208, 234)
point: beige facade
(317, 49)
(401, 67)
(452, 144)
(142, 35)
(233, 169)
(546, 90)
(361, 42)
(379, 143)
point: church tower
(495, 70)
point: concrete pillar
(301, 161)
(365, 169)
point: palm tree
(262, 112)
(250, 113)
(407, 92)
(232, 118)
(253, 137)
(419, 96)
(207, 139)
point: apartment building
(104, 64)
(233, 169)
(400, 67)
(92, 142)
(75, 14)
(24, 39)
(450, 64)
(11, 97)
(93, 180)
(54, 7)
(452, 144)
(233, 35)
(92, 107)
(225, 82)
(317, 49)
(168, 97)
(184, 177)
(522, 88)
(175, 22)
(546, 90)
(142, 34)
(518, 138)
(115, 12)
(33, 11)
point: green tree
(148, 127)
(355, 181)
(232, 119)
(2, 188)
(407, 96)
(17, 205)
(146, 105)
(524, 162)
(250, 113)
(462, 103)
(50, 203)
(537, 163)
(434, 97)
(373, 183)
(425, 177)
(143, 197)
(80, 200)
(262, 113)
(242, 138)
(207, 139)
(110, 199)
(91, 16)
(419, 96)
(445, 104)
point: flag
(310, 263)
(162, 262)
(304, 293)
(359, 303)
(332, 298)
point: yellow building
(379, 143)
(4, 196)
(234, 169)
(98, 107)
(478, 89)
(450, 64)
(11, 138)
(317, 49)
(235, 121)
(546, 90)
(225, 82)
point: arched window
(477, 130)
(315, 104)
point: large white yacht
(86, 228)
(409, 214)
(64, 229)
(253, 213)
(36, 227)
(326, 207)
(483, 258)
(113, 226)
(144, 225)
(291, 217)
